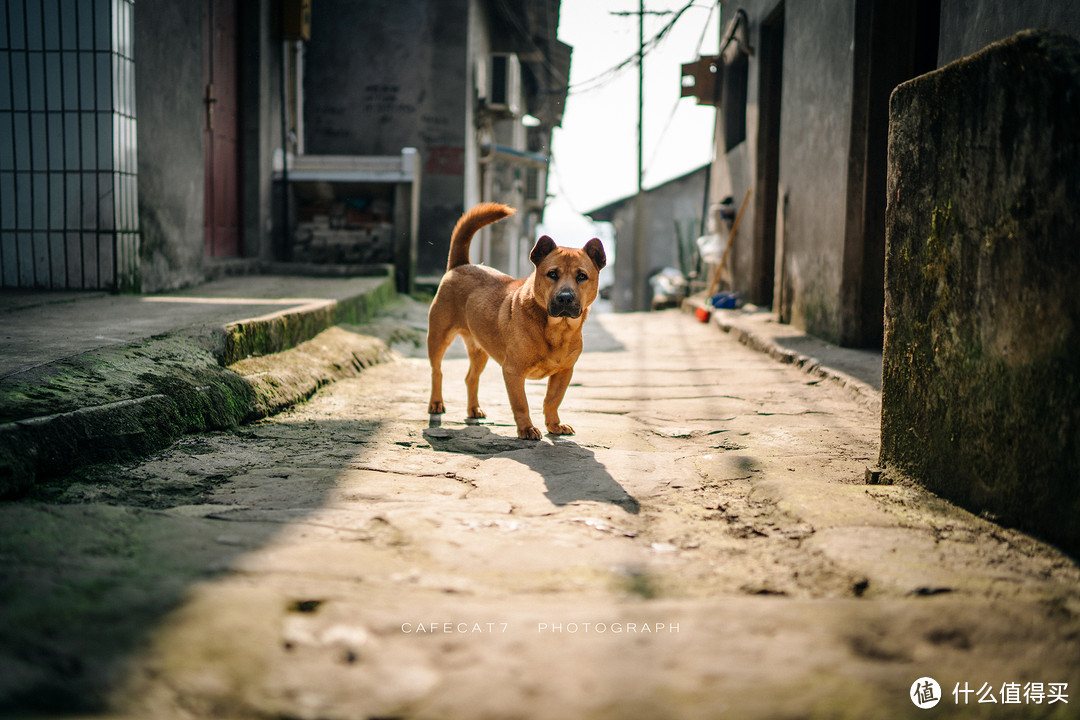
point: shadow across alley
(94, 563)
(571, 473)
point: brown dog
(531, 326)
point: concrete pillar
(981, 377)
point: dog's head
(566, 279)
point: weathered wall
(677, 201)
(970, 25)
(981, 389)
(816, 121)
(828, 256)
(814, 137)
(389, 74)
(169, 104)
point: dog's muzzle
(564, 303)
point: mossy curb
(125, 402)
(155, 402)
(281, 331)
(278, 381)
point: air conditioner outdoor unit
(502, 91)
(535, 188)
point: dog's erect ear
(595, 250)
(541, 249)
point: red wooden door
(222, 131)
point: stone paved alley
(704, 546)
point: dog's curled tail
(479, 216)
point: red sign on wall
(444, 160)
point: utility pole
(639, 296)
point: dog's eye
(582, 276)
(554, 274)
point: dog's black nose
(564, 303)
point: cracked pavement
(704, 546)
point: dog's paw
(529, 433)
(436, 407)
(476, 413)
(560, 429)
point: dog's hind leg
(477, 361)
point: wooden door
(895, 40)
(222, 131)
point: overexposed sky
(594, 153)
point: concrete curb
(286, 329)
(284, 379)
(125, 402)
(746, 335)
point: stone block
(981, 370)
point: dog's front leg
(519, 403)
(556, 388)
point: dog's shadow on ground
(571, 472)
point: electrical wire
(676, 105)
(610, 74)
(704, 30)
(600, 80)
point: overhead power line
(675, 106)
(598, 81)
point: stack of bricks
(342, 234)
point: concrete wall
(816, 125)
(378, 76)
(169, 60)
(818, 76)
(388, 74)
(676, 201)
(840, 59)
(970, 25)
(980, 393)
(169, 111)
